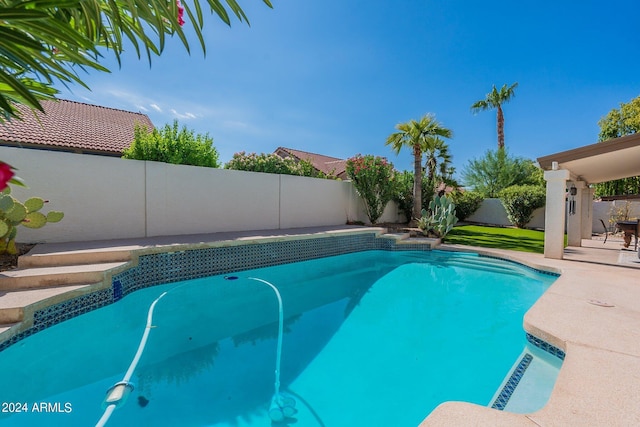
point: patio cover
(604, 161)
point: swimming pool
(371, 338)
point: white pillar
(587, 212)
(555, 210)
(575, 221)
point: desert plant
(373, 179)
(14, 213)
(440, 218)
(520, 201)
(467, 202)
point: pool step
(487, 266)
(13, 303)
(45, 277)
(54, 258)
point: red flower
(180, 13)
(6, 173)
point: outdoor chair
(606, 231)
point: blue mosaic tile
(511, 384)
(546, 346)
(508, 389)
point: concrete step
(13, 303)
(6, 326)
(35, 259)
(45, 277)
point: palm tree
(43, 42)
(495, 99)
(415, 134)
(437, 166)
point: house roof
(604, 161)
(325, 164)
(73, 126)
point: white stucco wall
(607, 212)
(101, 197)
(111, 198)
(491, 211)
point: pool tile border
(501, 401)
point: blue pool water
(371, 338)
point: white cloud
(156, 107)
(184, 116)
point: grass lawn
(515, 239)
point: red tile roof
(325, 164)
(73, 126)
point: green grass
(515, 239)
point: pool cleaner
(117, 395)
(282, 404)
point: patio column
(577, 217)
(587, 212)
(555, 210)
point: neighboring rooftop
(325, 164)
(74, 127)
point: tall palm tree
(495, 99)
(414, 134)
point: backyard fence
(111, 198)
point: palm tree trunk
(417, 183)
(500, 124)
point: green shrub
(403, 193)
(172, 145)
(467, 202)
(373, 178)
(520, 201)
(272, 163)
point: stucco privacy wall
(102, 197)
(491, 211)
(111, 198)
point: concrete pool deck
(592, 312)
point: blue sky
(335, 76)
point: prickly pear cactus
(441, 217)
(13, 213)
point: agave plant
(441, 217)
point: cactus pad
(17, 213)
(6, 202)
(55, 216)
(34, 204)
(34, 220)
